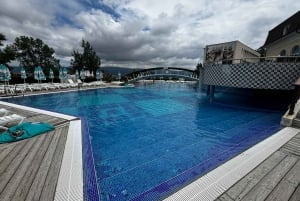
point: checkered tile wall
(266, 75)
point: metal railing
(164, 72)
(281, 59)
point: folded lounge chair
(71, 83)
(83, 83)
(3, 112)
(9, 120)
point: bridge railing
(163, 73)
(283, 59)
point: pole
(212, 93)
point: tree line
(32, 52)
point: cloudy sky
(143, 33)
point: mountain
(116, 70)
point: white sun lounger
(7, 89)
(10, 120)
(3, 112)
(34, 87)
(83, 83)
(71, 83)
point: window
(285, 29)
(283, 53)
(295, 51)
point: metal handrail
(258, 60)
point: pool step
(298, 115)
(292, 120)
(296, 120)
(296, 123)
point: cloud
(140, 33)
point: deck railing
(282, 59)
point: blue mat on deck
(24, 131)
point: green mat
(24, 131)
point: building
(271, 73)
(229, 52)
(284, 39)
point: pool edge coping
(70, 180)
(216, 182)
(46, 112)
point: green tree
(32, 52)
(262, 52)
(7, 54)
(2, 38)
(87, 59)
(197, 70)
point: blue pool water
(151, 140)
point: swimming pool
(151, 140)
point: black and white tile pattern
(268, 75)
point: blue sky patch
(92, 4)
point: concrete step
(296, 123)
(298, 115)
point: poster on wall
(222, 53)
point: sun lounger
(54, 86)
(61, 85)
(71, 83)
(3, 112)
(83, 83)
(79, 81)
(9, 120)
(34, 87)
(47, 86)
(57, 85)
(7, 89)
(25, 87)
(98, 83)
(20, 88)
(39, 87)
